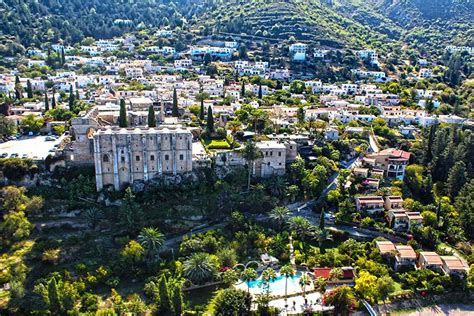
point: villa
(430, 260)
(405, 256)
(453, 265)
(370, 204)
(392, 161)
(385, 247)
(393, 201)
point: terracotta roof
(394, 198)
(322, 272)
(395, 153)
(454, 263)
(370, 199)
(406, 252)
(385, 246)
(414, 216)
(431, 257)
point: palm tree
(248, 275)
(280, 214)
(268, 275)
(93, 216)
(199, 268)
(287, 271)
(302, 227)
(152, 240)
(305, 281)
(277, 185)
(250, 153)
(234, 126)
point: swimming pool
(277, 286)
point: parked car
(24, 156)
(14, 155)
(4, 155)
(49, 138)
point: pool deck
(296, 304)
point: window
(122, 159)
(181, 157)
(167, 157)
(106, 158)
(137, 158)
(279, 154)
(152, 157)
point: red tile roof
(322, 272)
(395, 153)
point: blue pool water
(277, 286)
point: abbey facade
(123, 156)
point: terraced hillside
(308, 20)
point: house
(134, 72)
(371, 184)
(298, 51)
(405, 256)
(370, 204)
(430, 260)
(370, 55)
(398, 219)
(425, 73)
(453, 265)
(393, 201)
(392, 161)
(36, 63)
(361, 172)
(183, 64)
(377, 173)
(414, 219)
(385, 247)
(272, 161)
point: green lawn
(216, 144)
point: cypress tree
(18, 88)
(71, 99)
(151, 117)
(53, 100)
(46, 102)
(54, 298)
(63, 57)
(29, 89)
(242, 92)
(457, 177)
(78, 97)
(123, 122)
(322, 220)
(165, 302)
(177, 301)
(201, 111)
(260, 93)
(210, 120)
(175, 112)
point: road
(373, 143)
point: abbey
(123, 156)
